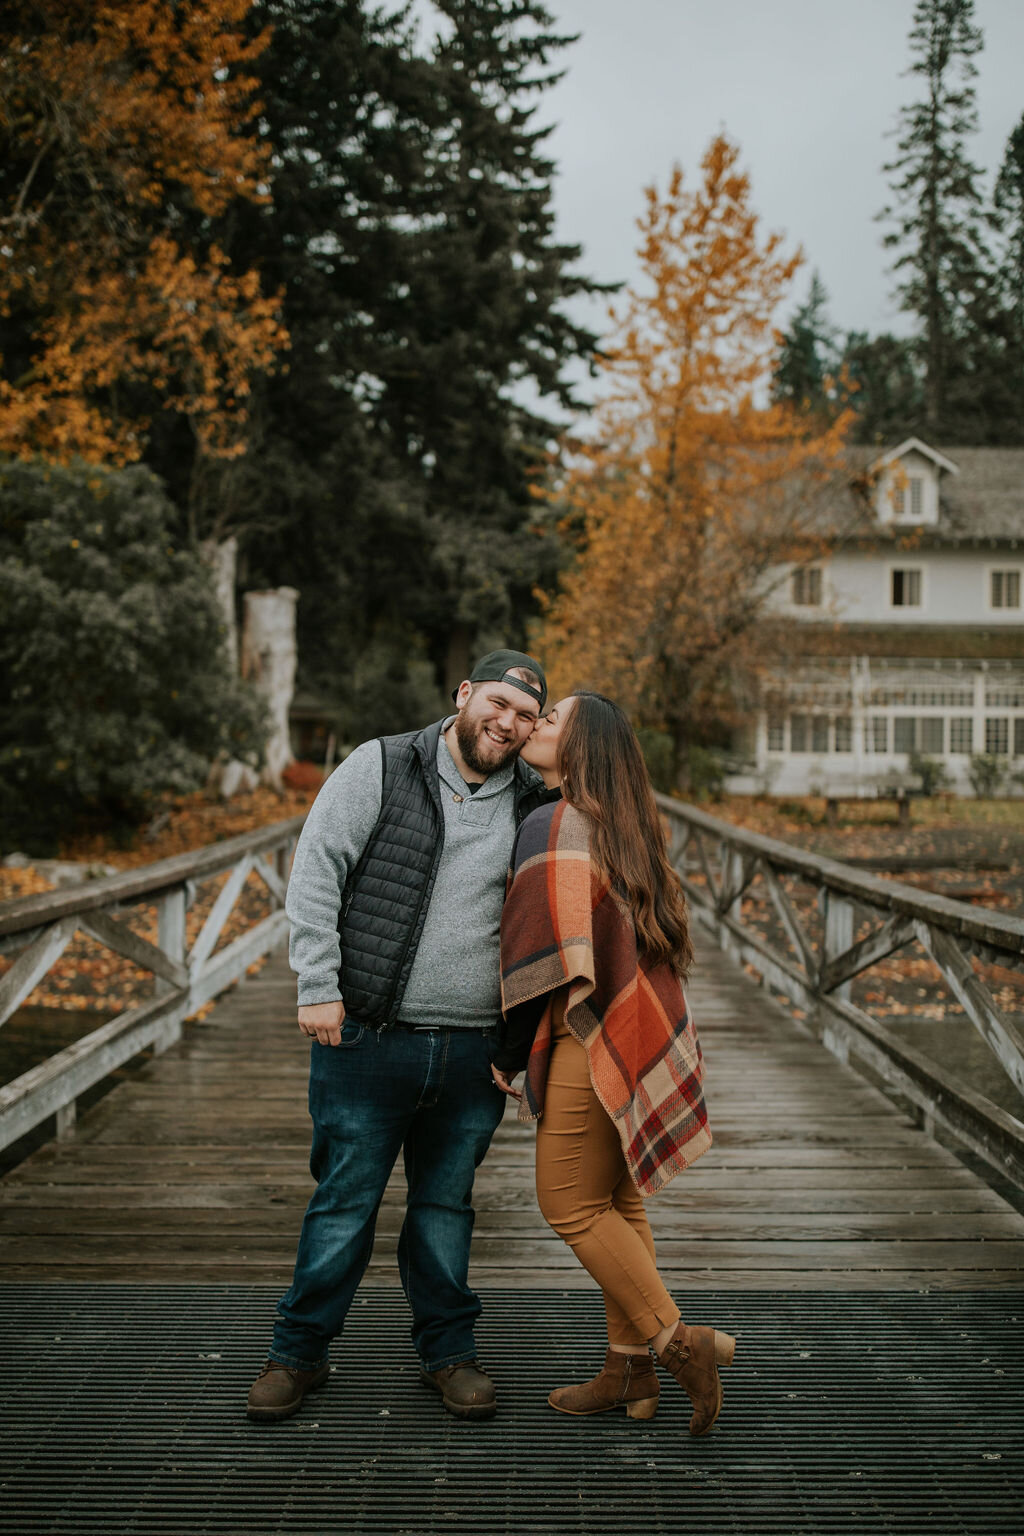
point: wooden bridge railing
(817, 949)
(39, 928)
(853, 921)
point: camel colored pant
(587, 1196)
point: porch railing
(831, 923)
(38, 929)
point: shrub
(303, 775)
(114, 683)
(986, 772)
(930, 771)
(707, 773)
(656, 747)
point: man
(395, 903)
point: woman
(594, 948)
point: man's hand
(323, 1021)
(501, 1081)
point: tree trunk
(268, 660)
(223, 562)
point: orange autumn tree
(127, 128)
(694, 490)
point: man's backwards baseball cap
(495, 667)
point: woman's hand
(502, 1082)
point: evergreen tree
(388, 475)
(887, 387)
(938, 205)
(807, 365)
(1009, 218)
(115, 688)
(480, 315)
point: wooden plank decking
(195, 1170)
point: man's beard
(467, 734)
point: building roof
(915, 445)
(981, 504)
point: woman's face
(541, 748)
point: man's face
(493, 721)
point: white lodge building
(911, 631)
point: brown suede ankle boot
(626, 1381)
(692, 1356)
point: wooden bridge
(195, 1170)
(829, 1194)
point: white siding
(955, 588)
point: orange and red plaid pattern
(565, 927)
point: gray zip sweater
(454, 982)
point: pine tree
(1009, 218)
(389, 472)
(938, 205)
(806, 371)
(886, 387)
(481, 314)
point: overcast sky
(809, 88)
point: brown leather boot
(627, 1381)
(278, 1390)
(692, 1356)
(465, 1389)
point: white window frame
(916, 483)
(1004, 570)
(940, 750)
(871, 722)
(998, 721)
(806, 571)
(776, 726)
(952, 751)
(922, 571)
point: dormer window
(908, 499)
(907, 483)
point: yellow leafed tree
(693, 490)
(126, 130)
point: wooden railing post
(171, 939)
(171, 931)
(838, 933)
(283, 861)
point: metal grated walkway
(885, 1412)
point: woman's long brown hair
(604, 775)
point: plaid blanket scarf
(564, 925)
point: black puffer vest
(385, 902)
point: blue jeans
(373, 1095)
